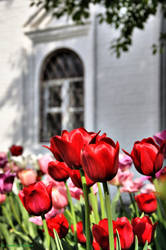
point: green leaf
(57, 240)
(118, 246)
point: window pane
(76, 94)
(53, 124)
(55, 96)
(76, 120)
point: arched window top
(62, 63)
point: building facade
(57, 75)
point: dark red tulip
(80, 234)
(60, 224)
(100, 160)
(76, 178)
(95, 245)
(125, 231)
(144, 229)
(70, 144)
(16, 150)
(147, 156)
(59, 171)
(146, 202)
(124, 228)
(54, 149)
(36, 198)
(100, 233)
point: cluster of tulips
(62, 200)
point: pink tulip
(125, 162)
(121, 177)
(36, 220)
(27, 176)
(160, 137)
(59, 197)
(2, 198)
(52, 213)
(148, 188)
(75, 191)
(43, 162)
(131, 186)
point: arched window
(61, 94)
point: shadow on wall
(19, 98)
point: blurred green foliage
(125, 15)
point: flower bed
(62, 200)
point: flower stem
(103, 215)
(109, 216)
(87, 211)
(134, 204)
(73, 213)
(94, 204)
(46, 232)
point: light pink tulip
(52, 213)
(131, 186)
(121, 177)
(36, 220)
(148, 188)
(75, 191)
(43, 162)
(2, 198)
(59, 197)
(160, 137)
(27, 176)
(125, 162)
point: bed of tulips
(63, 200)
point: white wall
(12, 62)
(128, 88)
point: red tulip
(76, 178)
(36, 198)
(80, 234)
(95, 245)
(147, 156)
(144, 229)
(124, 228)
(59, 171)
(100, 233)
(60, 224)
(125, 231)
(54, 149)
(70, 144)
(100, 160)
(146, 202)
(16, 150)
